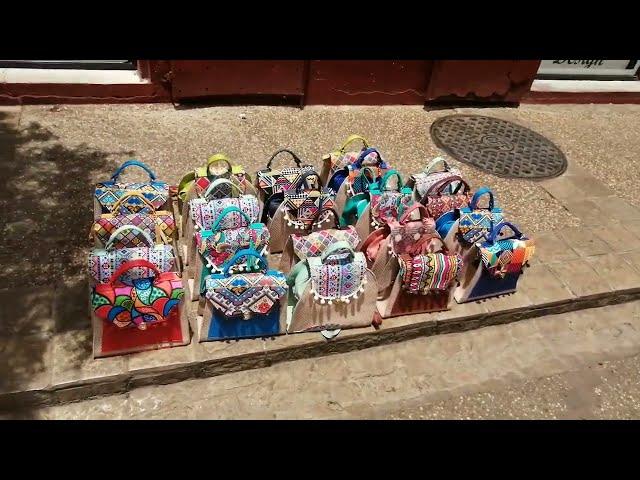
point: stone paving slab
(597, 263)
(557, 283)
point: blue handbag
(341, 175)
(499, 266)
(477, 223)
(244, 305)
(108, 193)
(445, 222)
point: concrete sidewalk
(577, 365)
(51, 156)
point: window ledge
(586, 86)
(86, 77)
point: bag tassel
(342, 299)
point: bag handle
(284, 150)
(353, 138)
(378, 234)
(476, 197)
(127, 228)
(387, 176)
(247, 252)
(118, 202)
(217, 158)
(363, 155)
(227, 211)
(372, 170)
(220, 181)
(133, 163)
(126, 266)
(336, 246)
(304, 183)
(435, 162)
(498, 228)
(407, 213)
(438, 187)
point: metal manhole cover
(497, 146)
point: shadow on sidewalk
(47, 211)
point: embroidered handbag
(422, 274)
(158, 225)
(476, 223)
(438, 202)
(204, 211)
(387, 203)
(404, 299)
(271, 182)
(145, 301)
(338, 159)
(305, 207)
(326, 291)
(308, 203)
(406, 235)
(217, 246)
(218, 166)
(301, 246)
(245, 304)
(108, 195)
(498, 265)
(357, 183)
(411, 236)
(104, 262)
(350, 172)
(424, 180)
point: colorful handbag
(219, 245)
(104, 262)
(411, 236)
(308, 203)
(158, 225)
(387, 203)
(299, 247)
(498, 267)
(357, 183)
(422, 274)
(147, 301)
(424, 180)
(245, 304)
(354, 209)
(270, 181)
(325, 286)
(424, 285)
(201, 177)
(438, 202)
(508, 255)
(403, 236)
(204, 211)
(109, 194)
(477, 223)
(338, 159)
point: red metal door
(193, 79)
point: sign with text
(589, 68)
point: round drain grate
(498, 147)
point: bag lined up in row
(136, 286)
(358, 245)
